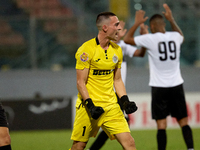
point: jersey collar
(97, 41)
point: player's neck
(161, 29)
(104, 42)
(158, 30)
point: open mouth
(116, 34)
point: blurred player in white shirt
(166, 82)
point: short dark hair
(103, 16)
(155, 17)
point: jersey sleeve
(143, 40)
(83, 57)
(129, 50)
(180, 38)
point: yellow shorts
(112, 121)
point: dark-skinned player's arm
(141, 52)
(129, 107)
(168, 15)
(139, 19)
(82, 76)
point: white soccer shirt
(127, 50)
(164, 57)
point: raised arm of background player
(143, 30)
(139, 19)
(141, 52)
(168, 15)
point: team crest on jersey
(84, 57)
(115, 59)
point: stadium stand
(12, 45)
(8, 37)
(60, 26)
(51, 20)
(57, 18)
(44, 8)
(12, 42)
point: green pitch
(60, 140)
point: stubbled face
(113, 28)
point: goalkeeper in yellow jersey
(98, 67)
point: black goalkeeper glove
(95, 111)
(129, 107)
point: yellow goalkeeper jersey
(101, 64)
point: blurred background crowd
(45, 34)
